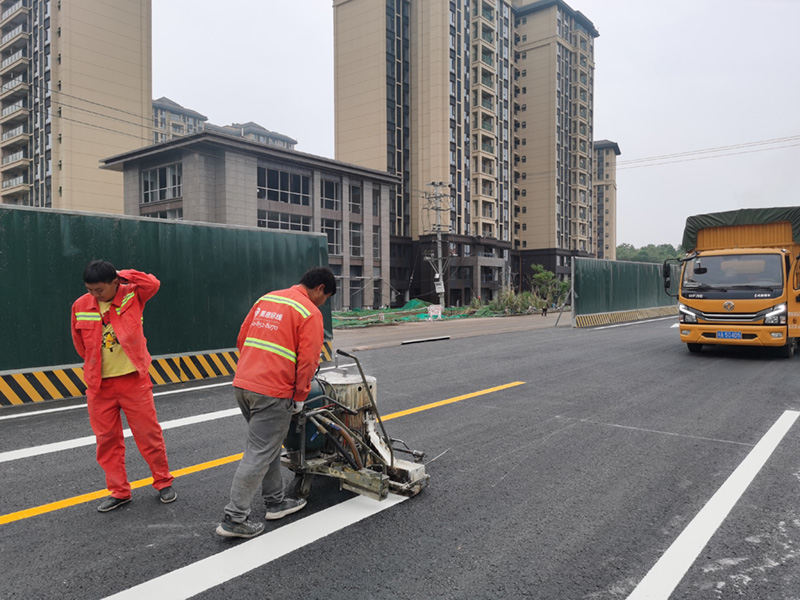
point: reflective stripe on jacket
(279, 345)
(125, 314)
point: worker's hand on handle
(297, 407)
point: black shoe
(245, 529)
(287, 506)
(111, 503)
(167, 495)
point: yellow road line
(83, 498)
(53, 506)
(411, 411)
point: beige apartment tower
(605, 196)
(484, 108)
(76, 88)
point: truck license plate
(730, 335)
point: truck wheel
(694, 348)
(787, 351)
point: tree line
(649, 254)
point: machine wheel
(301, 486)
(787, 351)
(694, 348)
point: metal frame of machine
(340, 434)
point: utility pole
(438, 269)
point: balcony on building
(13, 136)
(14, 187)
(15, 162)
(16, 61)
(13, 112)
(14, 13)
(487, 33)
(487, 79)
(14, 37)
(16, 86)
(487, 12)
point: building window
(174, 214)
(278, 220)
(333, 229)
(163, 183)
(376, 242)
(281, 186)
(355, 199)
(356, 235)
(376, 200)
(331, 195)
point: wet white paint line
(665, 575)
(198, 577)
(89, 440)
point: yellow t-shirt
(115, 362)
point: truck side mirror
(666, 273)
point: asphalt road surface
(570, 464)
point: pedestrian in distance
(107, 333)
(279, 347)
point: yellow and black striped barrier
(52, 384)
(624, 316)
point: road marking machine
(340, 434)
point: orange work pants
(133, 395)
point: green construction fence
(210, 277)
(607, 291)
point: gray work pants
(268, 422)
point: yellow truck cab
(739, 281)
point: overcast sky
(683, 77)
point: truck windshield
(734, 271)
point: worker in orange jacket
(107, 333)
(279, 347)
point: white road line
(674, 325)
(192, 389)
(633, 323)
(37, 413)
(217, 569)
(89, 440)
(665, 575)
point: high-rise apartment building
(171, 120)
(75, 86)
(605, 196)
(554, 111)
(484, 108)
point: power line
(719, 149)
(670, 162)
